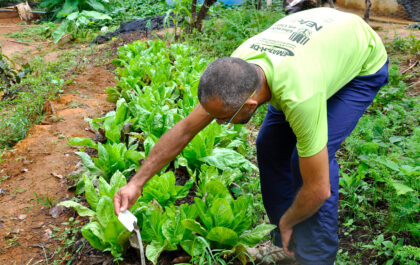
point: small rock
(22, 216)
(56, 211)
(2, 192)
(1, 226)
(57, 175)
(2, 220)
(15, 231)
(25, 170)
(47, 234)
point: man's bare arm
(165, 150)
(172, 143)
(313, 193)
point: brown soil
(11, 47)
(37, 163)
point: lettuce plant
(225, 222)
(163, 189)
(111, 158)
(162, 229)
(104, 231)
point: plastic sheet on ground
(145, 24)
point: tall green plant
(62, 8)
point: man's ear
(251, 103)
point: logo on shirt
(276, 50)
(310, 24)
(301, 36)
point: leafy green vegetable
(163, 189)
(104, 231)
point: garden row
(157, 87)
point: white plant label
(127, 219)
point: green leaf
(401, 188)
(224, 236)
(254, 236)
(96, 5)
(224, 158)
(194, 226)
(90, 193)
(96, 15)
(60, 31)
(134, 156)
(216, 189)
(94, 233)
(105, 210)
(88, 163)
(173, 230)
(112, 230)
(72, 16)
(80, 209)
(202, 212)
(123, 240)
(194, 247)
(104, 188)
(153, 251)
(221, 213)
(83, 142)
(117, 181)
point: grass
(24, 106)
(228, 28)
(39, 33)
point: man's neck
(264, 93)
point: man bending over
(319, 70)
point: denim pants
(316, 237)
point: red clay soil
(10, 46)
(37, 164)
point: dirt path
(31, 177)
(11, 47)
(37, 164)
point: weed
(404, 45)
(379, 175)
(37, 33)
(14, 241)
(67, 238)
(3, 178)
(45, 200)
(230, 27)
(24, 109)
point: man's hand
(126, 197)
(287, 239)
(164, 151)
(313, 193)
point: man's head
(226, 84)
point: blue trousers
(316, 237)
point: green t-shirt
(307, 57)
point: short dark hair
(230, 79)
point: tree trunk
(194, 9)
(202, 14)
(259, 5)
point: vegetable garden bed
(157, 87)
